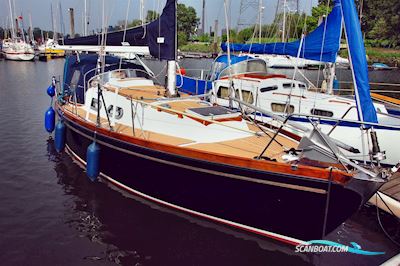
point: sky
(116, 10)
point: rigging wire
(379, 219)
(126, 25)
(323, 41)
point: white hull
(19, 56)
(273, 94)
(19, 51)
(285, 61)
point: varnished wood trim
(300, 170)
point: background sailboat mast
(284, 21)
(260, 14)
(31, 29)
(85, 33)
(142, 12)
(11, 20)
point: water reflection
(136, 232)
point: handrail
(343, 116)
(374, 83)
(285, 120)
(180, 99)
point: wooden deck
(246, 147)
(392, 187)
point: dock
(388, 197)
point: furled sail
(158, 35)
(322, 44)
(358, 61)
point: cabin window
(321, 112)
(270, 88)
(75, 79)
(94, 104)
(118, 115)
(256, 66)
(280, 108)
(288, 85)
(223, 92)
(247, 96)
(302, 86)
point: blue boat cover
(322, 44)
(193, 86)
(234, 59)
(358, 62)
(147, 35)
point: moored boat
(190, 155)
(337, 116)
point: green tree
(317, 13)
(386, 14)
(204, 38)
(245, 34)
(151, 15)
(134, 23)
(187, 20)
(233, 36)
(182, 39)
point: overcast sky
(116, 11)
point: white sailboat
(17, 48)
(298, 101)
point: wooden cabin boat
(204, 160)
(195, 157)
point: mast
(284, 21)
(53, 25)
(171, 65)
(62, 26)
(12, 20)
(142, 11)
(261, 9)
(231, 91)
(31, 37)
(203, 26)
(85, 19)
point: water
(50, 214)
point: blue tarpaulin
(192, 85)
(322, 44)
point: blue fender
(93, 161)
(59, 136)
(49, 119)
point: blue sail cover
(358, 62)
(147, 35)
(322, 44)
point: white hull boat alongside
(284, 96)
(286, 61)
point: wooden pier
(388, 197)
